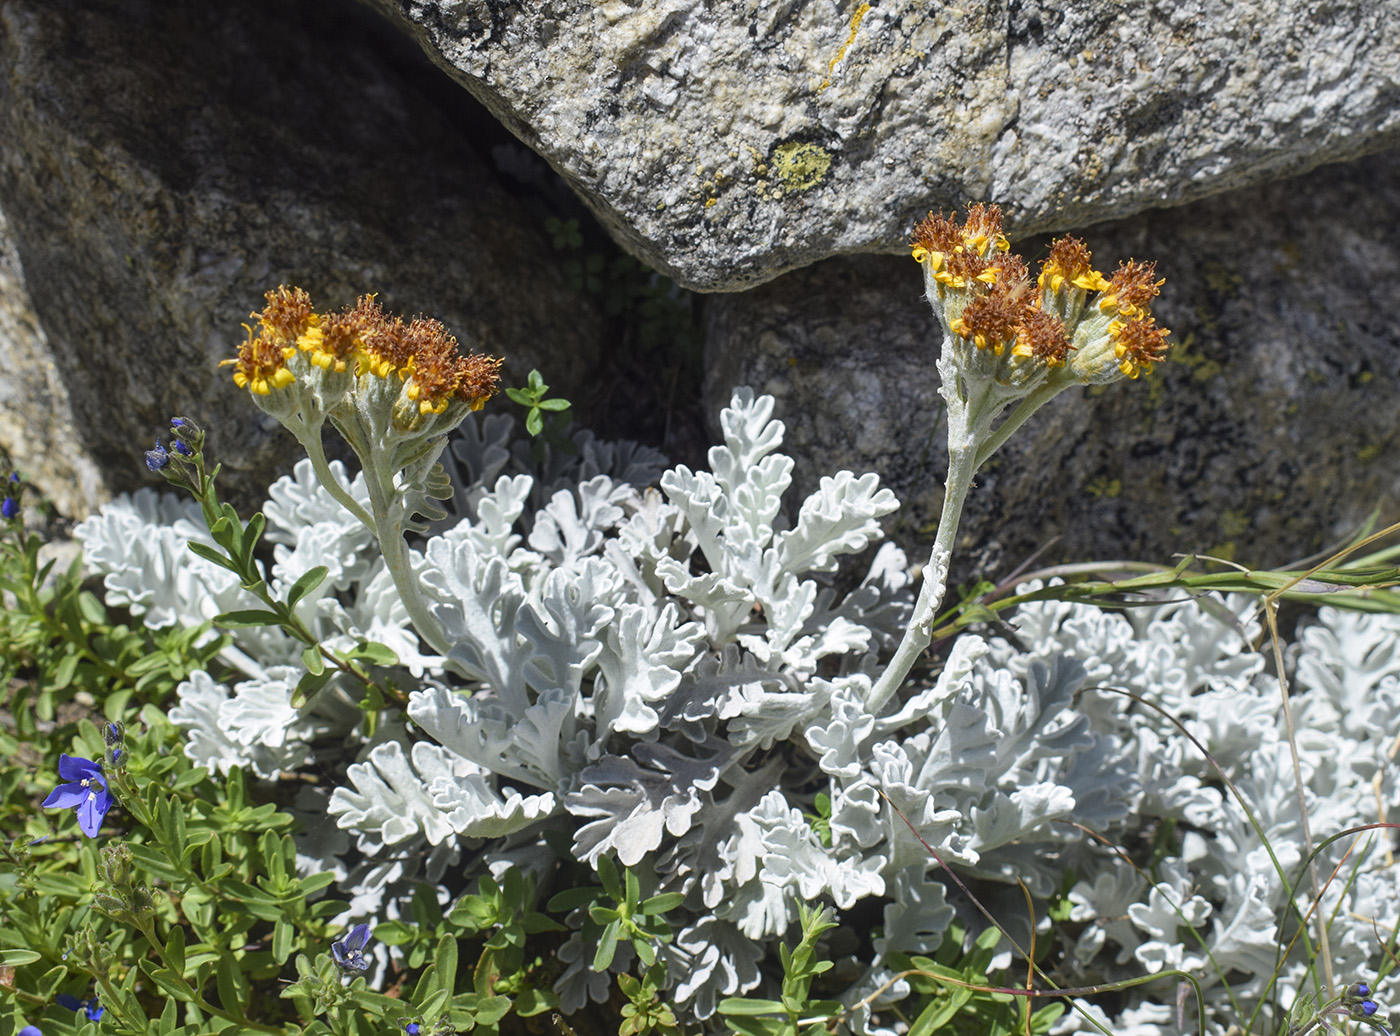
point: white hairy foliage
(675, 678)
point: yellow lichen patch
(859, 16)
(800, 166)
(1103, 486)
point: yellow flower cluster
(420, 352)
(986, 297)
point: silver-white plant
(681, 715)
(668, 669)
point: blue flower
(157, 459)
(29, 1030)
(412, 1028)
(348, 952)
(183, 449)
(91, 1008)
(86, 791)
(10, 509)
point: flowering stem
(971, 409)
(394, 549)
(317, 454)
(919, 632)
(1027, 406)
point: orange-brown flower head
(382, 351)
(437, 372)
(982, 229)
(954, 255)
(340, 339)
(1069, 262)
(991, 320)
(431, 371)
(1042, 336)
(287, 315)
(1138, 345)
(261, 365)
(1131, 290)
(478, 378)
(431, 367)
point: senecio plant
(628, 737)
(1013, 344)
(393, 390)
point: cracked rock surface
(728, 143)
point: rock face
(162, 166)
(1267, 435)
(728, 143)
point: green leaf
(166, 979)
(283, 932)
(175, 948)
(374, 653)
(491, 1009)
(316, 882)
(309, 685)
(271, 850)
(312, 661)
(393, 933)
(759, 1026)
(739, 1005)
(432, 1007)
(572, 899)
(446, 961)
(219, 558)
(233, 984)
(245, 618)
(607, 946)
(664, 903)
(310, 580)
(167, 1019)
(554, 404)
(607, 874)
(253, 532)
(91, 609)
(604, 915)
(189, 778)
(63, 672)
(154, 862)
(235, 789)
(17, 958)
(530, 1002)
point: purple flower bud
(157, 459)
(10, 508)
